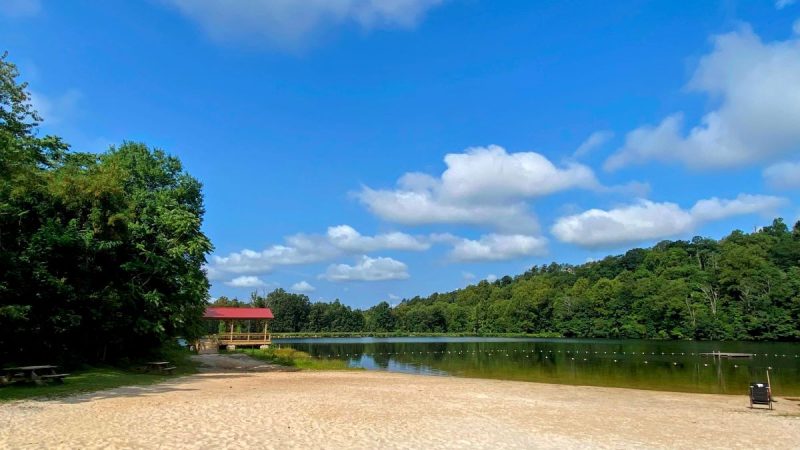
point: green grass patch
(96, 378)
(294, 358)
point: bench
(159, 367)
(55, 377)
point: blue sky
(372, 150)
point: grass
(96, 378)
(294, 358)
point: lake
(640, 364)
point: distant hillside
(744, 286)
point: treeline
(744, 286)
(100, 255)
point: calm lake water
(660, 365)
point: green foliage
(294, 358)
(91, 379)
(100, 255)
(745, 286)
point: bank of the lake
(655, 365)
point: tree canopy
(744, 286)
(100, 255)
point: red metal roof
(229, 312)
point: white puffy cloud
(780, 4)
(595, 140)
(717, 209)
(498, 247)
(647, 220)
(301, 249)
(482, 186)
(757, 86)
(490, 173)
(785, 175)
(425, 207)
(491, 278)
(347, 238)
(367, 269)
(303, 286)
(20, 8)
(246, 282)
(289, 23)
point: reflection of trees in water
(637, 364)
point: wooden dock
(727, 355)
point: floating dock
(728, 355)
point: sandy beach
(277, 409)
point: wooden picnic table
(36, 374)
(159, 366)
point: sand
(344, 409)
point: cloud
(491, 278)
(468, 276)
(424, 208)
(302, 249)
(347, 238)
(291, 23)
(481, 186)
(780, 4)
(498, 247)
(785, 175)
(595, 140)
(367, 269)
(20, 8)
(299, 249)
(647, 220)
(796, 27)
(490, 173)
(246, 282)
(757, 88)
(56, 109)
(718, 209)
(303, 286)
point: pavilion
(230, 316)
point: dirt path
(383, 410)
(235, 362)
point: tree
(290, 311)
(100, 255)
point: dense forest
(100, 255)
(744, 286)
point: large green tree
(101, 256)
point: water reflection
(663, 365)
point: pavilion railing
(239, 338)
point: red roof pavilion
(233, 313)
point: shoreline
(363, 409)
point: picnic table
(35, 374)
(160, 366)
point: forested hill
(744, 286)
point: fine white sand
(383, 410)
